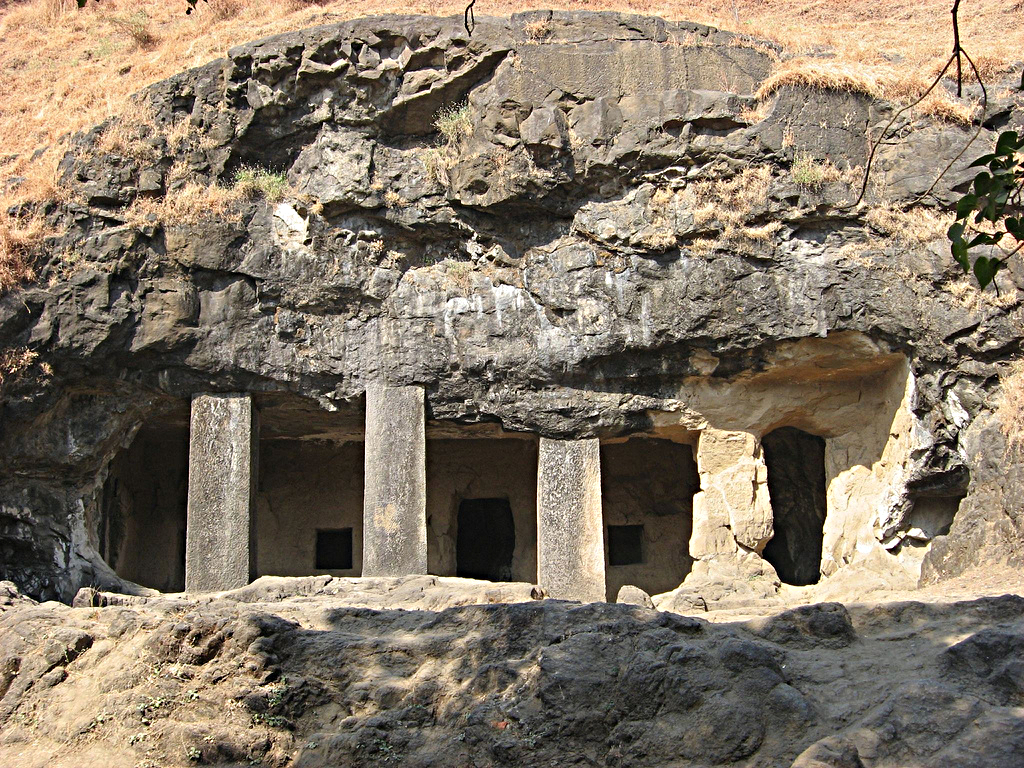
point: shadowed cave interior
(481, 502)
(796, 485)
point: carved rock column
(570, 532)
(220, 551)
(395, 483)
(732, 513)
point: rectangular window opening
(334, 549)
(625, 544)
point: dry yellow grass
(730, 201)
(918, 226)
(16, 241)
(65, 69)
(189, 205)
(15, 362)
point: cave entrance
(142, 508)
(481, 502)
(309, 507)
(647, 489)
(485, 540)
(796, 484)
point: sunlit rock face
(564, 226)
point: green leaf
(965, 205)
(991, 211)
(983, 160)
(955, 232)
(959, 250)
(985, 270)
(1006, 143)
(982, 184)
(1016, 228)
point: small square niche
(625, 544)
(334, 549)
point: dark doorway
(647, 488)
(796, 484)
(485, 540)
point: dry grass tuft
(17, 239)
(729, 204)
(136, 27)
(194, 201)
(537, 30)
(394, 201)
(918, 226)
(254, 182)
(823, 74)
(730, 201)
(813, 174)
(14, 363)
(127, 134)
(878, 81)
(1011, 407)
(191, 204)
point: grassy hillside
(65, 68)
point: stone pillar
(732, 512)
(570, 529)
(395, 482)
(220, 546)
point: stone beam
(570, 529)
(732, 513)
(395, 483)
(220, 551)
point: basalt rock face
(612, 236)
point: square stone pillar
(732, 512)
(570, 528)
(395, 482)
(220, 533)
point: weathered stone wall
(614, 243)
(141, 530)
(649, 482)
(306, 485)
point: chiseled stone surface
(395, 484)
(570, 533)
(219, 551)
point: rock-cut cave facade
(594, 335)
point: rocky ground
(322, 672)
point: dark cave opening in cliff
(796, 484)
(647, 489)
(142, 508)
(481, 504)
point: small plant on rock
(454, 124)
(259, 182)
(812, 174)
